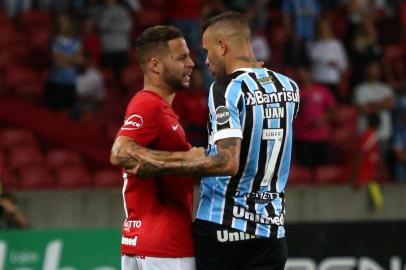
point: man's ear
(222, 47)
(155, 65)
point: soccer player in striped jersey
(240, 216)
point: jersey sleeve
(224, 100)
(142, 120)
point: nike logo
(175, 127)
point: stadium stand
(35, 177)
(85, 139)
(72, 176)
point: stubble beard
(172, 81)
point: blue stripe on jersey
(208, 184)
(219, 198)
(252, 86)
(286, 154)
(233, 94)
(263, 229)
(252, 160)
(253, 153)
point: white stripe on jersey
(125, 177)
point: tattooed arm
(225, 162)
(119, 153)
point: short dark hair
(154, 39)
(234, 17)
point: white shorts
(155, 263)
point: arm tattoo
(227, 143)
(228, 151)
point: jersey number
(275, 135)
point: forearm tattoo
(213, 165)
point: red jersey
(369, 148)
(158, 210)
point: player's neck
(166, 93)
(244, 57)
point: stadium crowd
(73, 62)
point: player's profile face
(214, 62)
(177, 64)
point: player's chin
(186, 81)
(186, 84)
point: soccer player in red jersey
(157, 230)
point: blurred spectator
(365, 48)
(256, 11)
(261, 47)
(312, 127)
(11, 215)
(89, 85)
(399, 146)
(368, 169)
(328, 57)
(299, 17)
(14, 7)
(191, 107)
(184, 15)
(134, 5)
(91, 39)
(366, 160)
(60, 6)
(359, 9)
(66, 48)
(375, 96)
(115, 26)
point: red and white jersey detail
(158, 210)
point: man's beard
(173, 82)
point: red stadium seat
(56, 158)
(35, 177)
(4, 19)
(74, 176)
(106, 178)
(299, 175)
(153, 3)
(330, 174)
(2, 161)
(108, 77)
(39, 39)
(21, 156)
(346, 114)
(149, 17)
(12, 137)
(277, 41)
(8, 180)
(132, 78)
(9, 36)
(34, 19)
(111, 128)
(24, 82)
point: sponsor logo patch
(222, 115)
(133, 122)
(230, 236)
